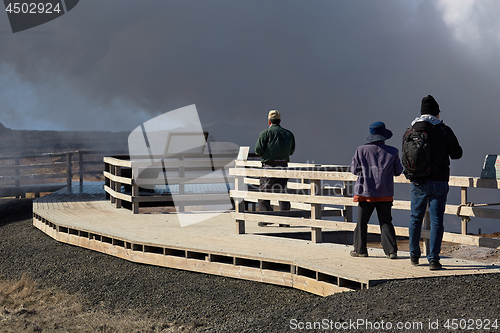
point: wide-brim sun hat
(378, 132)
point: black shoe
(414, 260)
(356, 254)
(392, 256)
(435, 266)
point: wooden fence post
(107, 167)
(69, 174)
(81, 167)
(348, 192)
(118, 186)
(464, 219)
(135, 191)
(316, 236)
(112, 169)
(239, 204)
(182, 174)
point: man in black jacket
(433, 188)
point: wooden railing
(316, 200)
(141, 183)
(49, 172)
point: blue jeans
(434, 193)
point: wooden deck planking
(88, 211)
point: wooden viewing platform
(83, 217)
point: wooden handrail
(121, 171)
(247, 172)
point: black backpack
(416, 154)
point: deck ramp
(83, 217)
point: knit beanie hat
(429, 106)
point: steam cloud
(331, 67)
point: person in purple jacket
(375, 164)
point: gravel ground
(205, 303)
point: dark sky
(330, 67)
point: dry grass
(24, 307)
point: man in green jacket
(275, 145)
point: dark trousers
(273, 185)
(388, 235)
